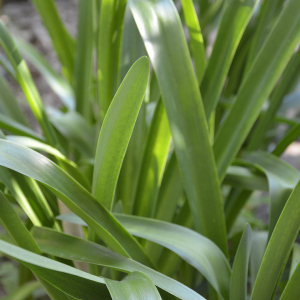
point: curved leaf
(197, 250)
(239, 176)
(280, 186)
(74, 196)
(71, 281)
(194, 248)
(69, 247)
(63, 161)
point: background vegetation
(144, 184)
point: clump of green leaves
(141, 185)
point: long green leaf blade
(238, 283)
(161, 30)
(116, 131)
(279, 247)
(109, 49)
(292, 289)
(196, 39)
(84, 57)
(235, 17)
(153, 163)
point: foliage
(143, 185)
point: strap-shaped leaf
(257, 85)
(69, 247)
(267, 11)
(153, 163)
(235, 17)
(84, 57)
(278, 248)
(292, 289)
(109, 49)
(295, 258)
(259, 244)
(74, 196)
(170, 192)
(196, 39)
(161, 30)
(116, 131)
(135, 286)
(238, 283)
